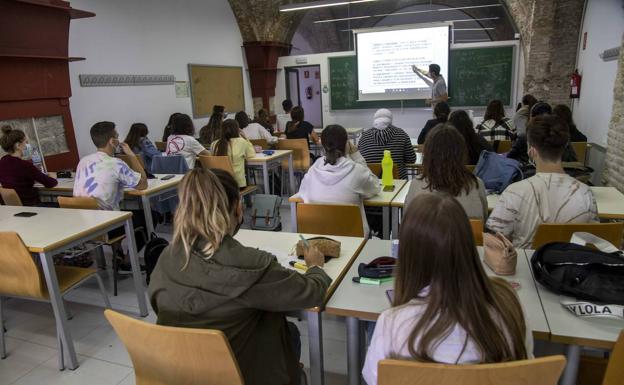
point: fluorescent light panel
(391, 14)
(318, 4)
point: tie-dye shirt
(104, 178)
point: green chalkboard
(476, 76)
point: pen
(298, 265)
(305, 241)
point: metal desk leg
(385, 212)
(265, 176)
(59, 310)
(293, 217)
(354, 349)
(147, 212)
(291, 174)
(396, 214)
(136, 269)
(573, 356)
(315, 334)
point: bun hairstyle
(10, 138)
(334, 138)
(442, 111)
(549, 135)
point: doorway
(303, 87)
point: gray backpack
(265, 212)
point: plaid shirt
(502, 130)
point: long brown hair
(229, 130)
(297, 115)
(444, 161)
(495, 111)
(212, 130)
(137, 131)
(437, 251)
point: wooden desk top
(384, 198)
(261, 158)
(53, 228)
(282, 245)
(399, 199)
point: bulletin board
(216, 85)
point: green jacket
(241, 291)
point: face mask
(240, 223)
(27, 151)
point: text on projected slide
(392, 70)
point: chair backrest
(540, 371)
(19, 274)
(221, 162)
(615, 368)
(168, 355)
(503, 146)
(126, 158)
(301, 153)
(477, 231)
(377, 170)
(10, 197)
(471, 167)
(330, 219)
(260, 142)
(580, 149)
(161, 146)
(84, 203)
(562, 232)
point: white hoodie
(347, 182)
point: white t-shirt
(281, 121)
(543, 198)
(184, 145)
(256, 131)
(104, 178)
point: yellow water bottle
(387, 179)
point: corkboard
(212, 85)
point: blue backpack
(497, 171)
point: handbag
(329, 247)
(592, 276)
(499, 254)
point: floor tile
(22, 357)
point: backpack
(497, 171)
(265, 212)
(153, 249)
(581, 272)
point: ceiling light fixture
(392, 14)
(319, 4)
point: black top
(482, 145)
(302, 131)
(576, 135)
(520, 148)
(428, 127)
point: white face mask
(27, 151)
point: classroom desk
(359, 302)
(574, 331)
(266, 161)
(163, 189)
(282, 245)
(383, 200)
(397, 205)
(53, 230)
(609, 200)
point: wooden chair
(562, 232)
(502, 146)
(615, 368)
(161, 146)
(477, 231)
(10, 197)
(301, 153)
(330, 219)
(21, 276)
(165, 355)
(540, 371)
(260, 142)
(87, 203)
(126, 158)
(377, 170)
(223, 163)
(580, 149)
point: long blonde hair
(203, 213)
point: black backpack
(581, 272)
(153, 249)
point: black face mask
(240, 223)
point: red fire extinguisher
(575, 85)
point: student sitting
(551, 196)
(441, 112)
(212, 130)
(182, 142)
(140, 144)
(444, 170)
(238, 149)
(474, 143)
(253, 130)
(167, 130)
(521, 118)
(495, 125)
(445, 308)
(18, 174)
(341, 176)
(262, 118)
(298, 128)
(564, 113)
(207, 279)
(283, 119)
(385, 136)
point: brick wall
(614, 172)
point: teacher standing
(434, 80)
